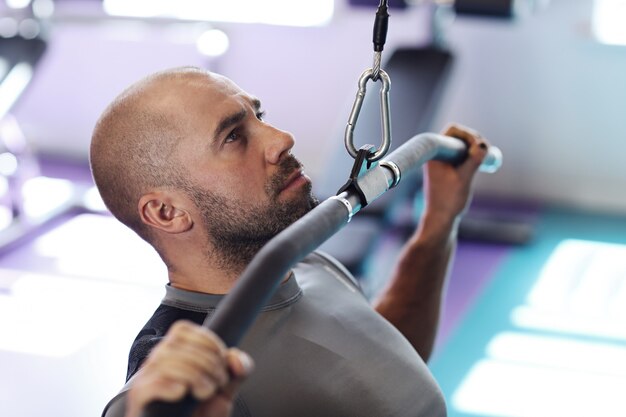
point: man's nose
(279, 142)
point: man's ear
(164, 212)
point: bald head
(134, 142)
(185, 159)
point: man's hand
(447, 188)
(190, 359)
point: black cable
(380, 26)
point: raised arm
(412, 299)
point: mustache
(286, 167)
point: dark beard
(237, 231)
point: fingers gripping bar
(255, 286)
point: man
(185, 159)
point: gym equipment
(419, 77)
(18, 59)
(485, 8)
(490, 8)
(420, 74)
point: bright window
(565, 355)
(608, 24)
(274, 12)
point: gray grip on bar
(431, 146)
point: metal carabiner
(384, 113)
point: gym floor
(528, 330)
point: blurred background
(533, 320)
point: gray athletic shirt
(321, 350)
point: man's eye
(232, 137)
(260, 115)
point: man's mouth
(290, 175)
(294, 180)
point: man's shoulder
(324, 260)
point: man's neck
(208, 283)
(203, 279)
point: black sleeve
(153, 332)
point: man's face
(240, 173)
